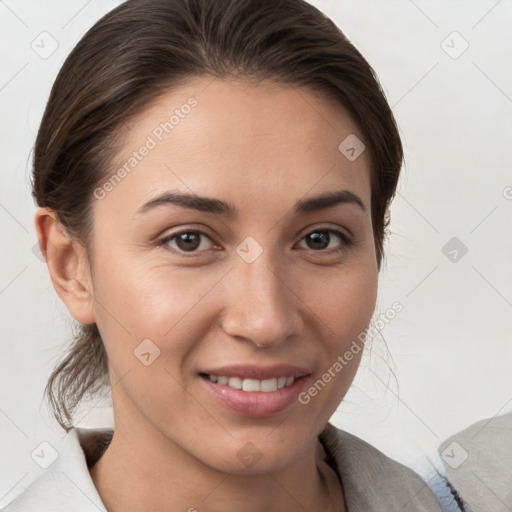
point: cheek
(136, 302)
(344, 301)
(151, 318)
(344, 305)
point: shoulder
(66, 484)
(372, 481)
(477, 461)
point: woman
(213, 179)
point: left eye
(321, 239)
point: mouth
(254, 391)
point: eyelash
(345, 241)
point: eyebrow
(225, 209)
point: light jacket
(371, 481)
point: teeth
(251, 385)
(269, 385)
(234, 382)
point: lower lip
(256, 404)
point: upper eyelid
(172, 236)
(338, 229)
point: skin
(261, 147)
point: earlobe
(68, 266)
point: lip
(256, 404)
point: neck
(146, 471)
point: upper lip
(259, 372)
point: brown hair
(142, 49)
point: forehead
(231, 137)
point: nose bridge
(259, 306)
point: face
(235, 250)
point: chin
(250, 460)
(256, 454)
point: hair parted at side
(144, 48)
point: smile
(253, 391)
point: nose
(260, 305)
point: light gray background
(450, 345)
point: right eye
(191, 241)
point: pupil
(320, 240)
(188, 241)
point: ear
(68, 266)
